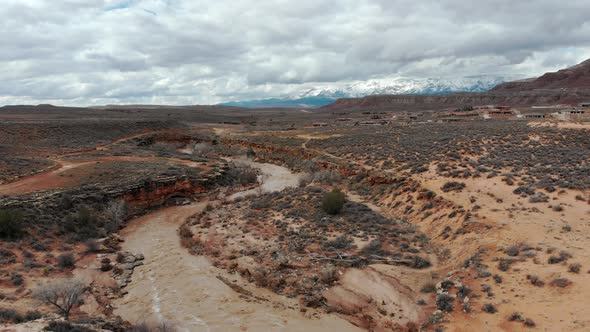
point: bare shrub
(116, 212)
(63, 295)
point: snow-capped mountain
(316, 95)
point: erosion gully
(182, 289)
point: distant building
(463, 114)
(449, 120)
(320, 124)
(373, 123)
(500, 113)
(534, 116)
(570, 114)
(585, 104)
(483, 107)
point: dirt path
(107, 145)
(53, 179)
(184, 289)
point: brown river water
(177, 287)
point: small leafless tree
(116, 211)
(63, 294)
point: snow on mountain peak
(320, 94)
(402, 86)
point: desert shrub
(105, 264)
(535, 281)
(504, 264)
(539, 198)
(84, 224)
(91, 246)
(333, 202)
(17, 279)
(7, 257)
(185, 232)
(342, 242)
(120, 257)
(444, 302)
(513, 251)
(326, 176)
(557, 208)
(65, 326)
(241, 174)
(453, 186)
(489, 308)
(11, 224)
(524, 190)
(575, 268)
(562, 257)
(419, 262)
(463, 292)
(329, 275)
(426, 194)
(515, 317)
(529, 323)
(447, 285)
(66, 261)
(561, 282)
(39, 246)
(428, 288)
(10, 316)
(497, 278)
(161, 327)
(32, 315)
(373, 248)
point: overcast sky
(81, 52)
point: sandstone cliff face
(572, 78)
(143, 194)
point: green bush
(66, 261)
(11, 224)
(333, 202)
(85, 224)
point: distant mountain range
(567, 86)
(324, 94)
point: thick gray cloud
(201, 51)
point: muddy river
(183, 289)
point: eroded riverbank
(185, 290)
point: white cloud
(196, 51)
